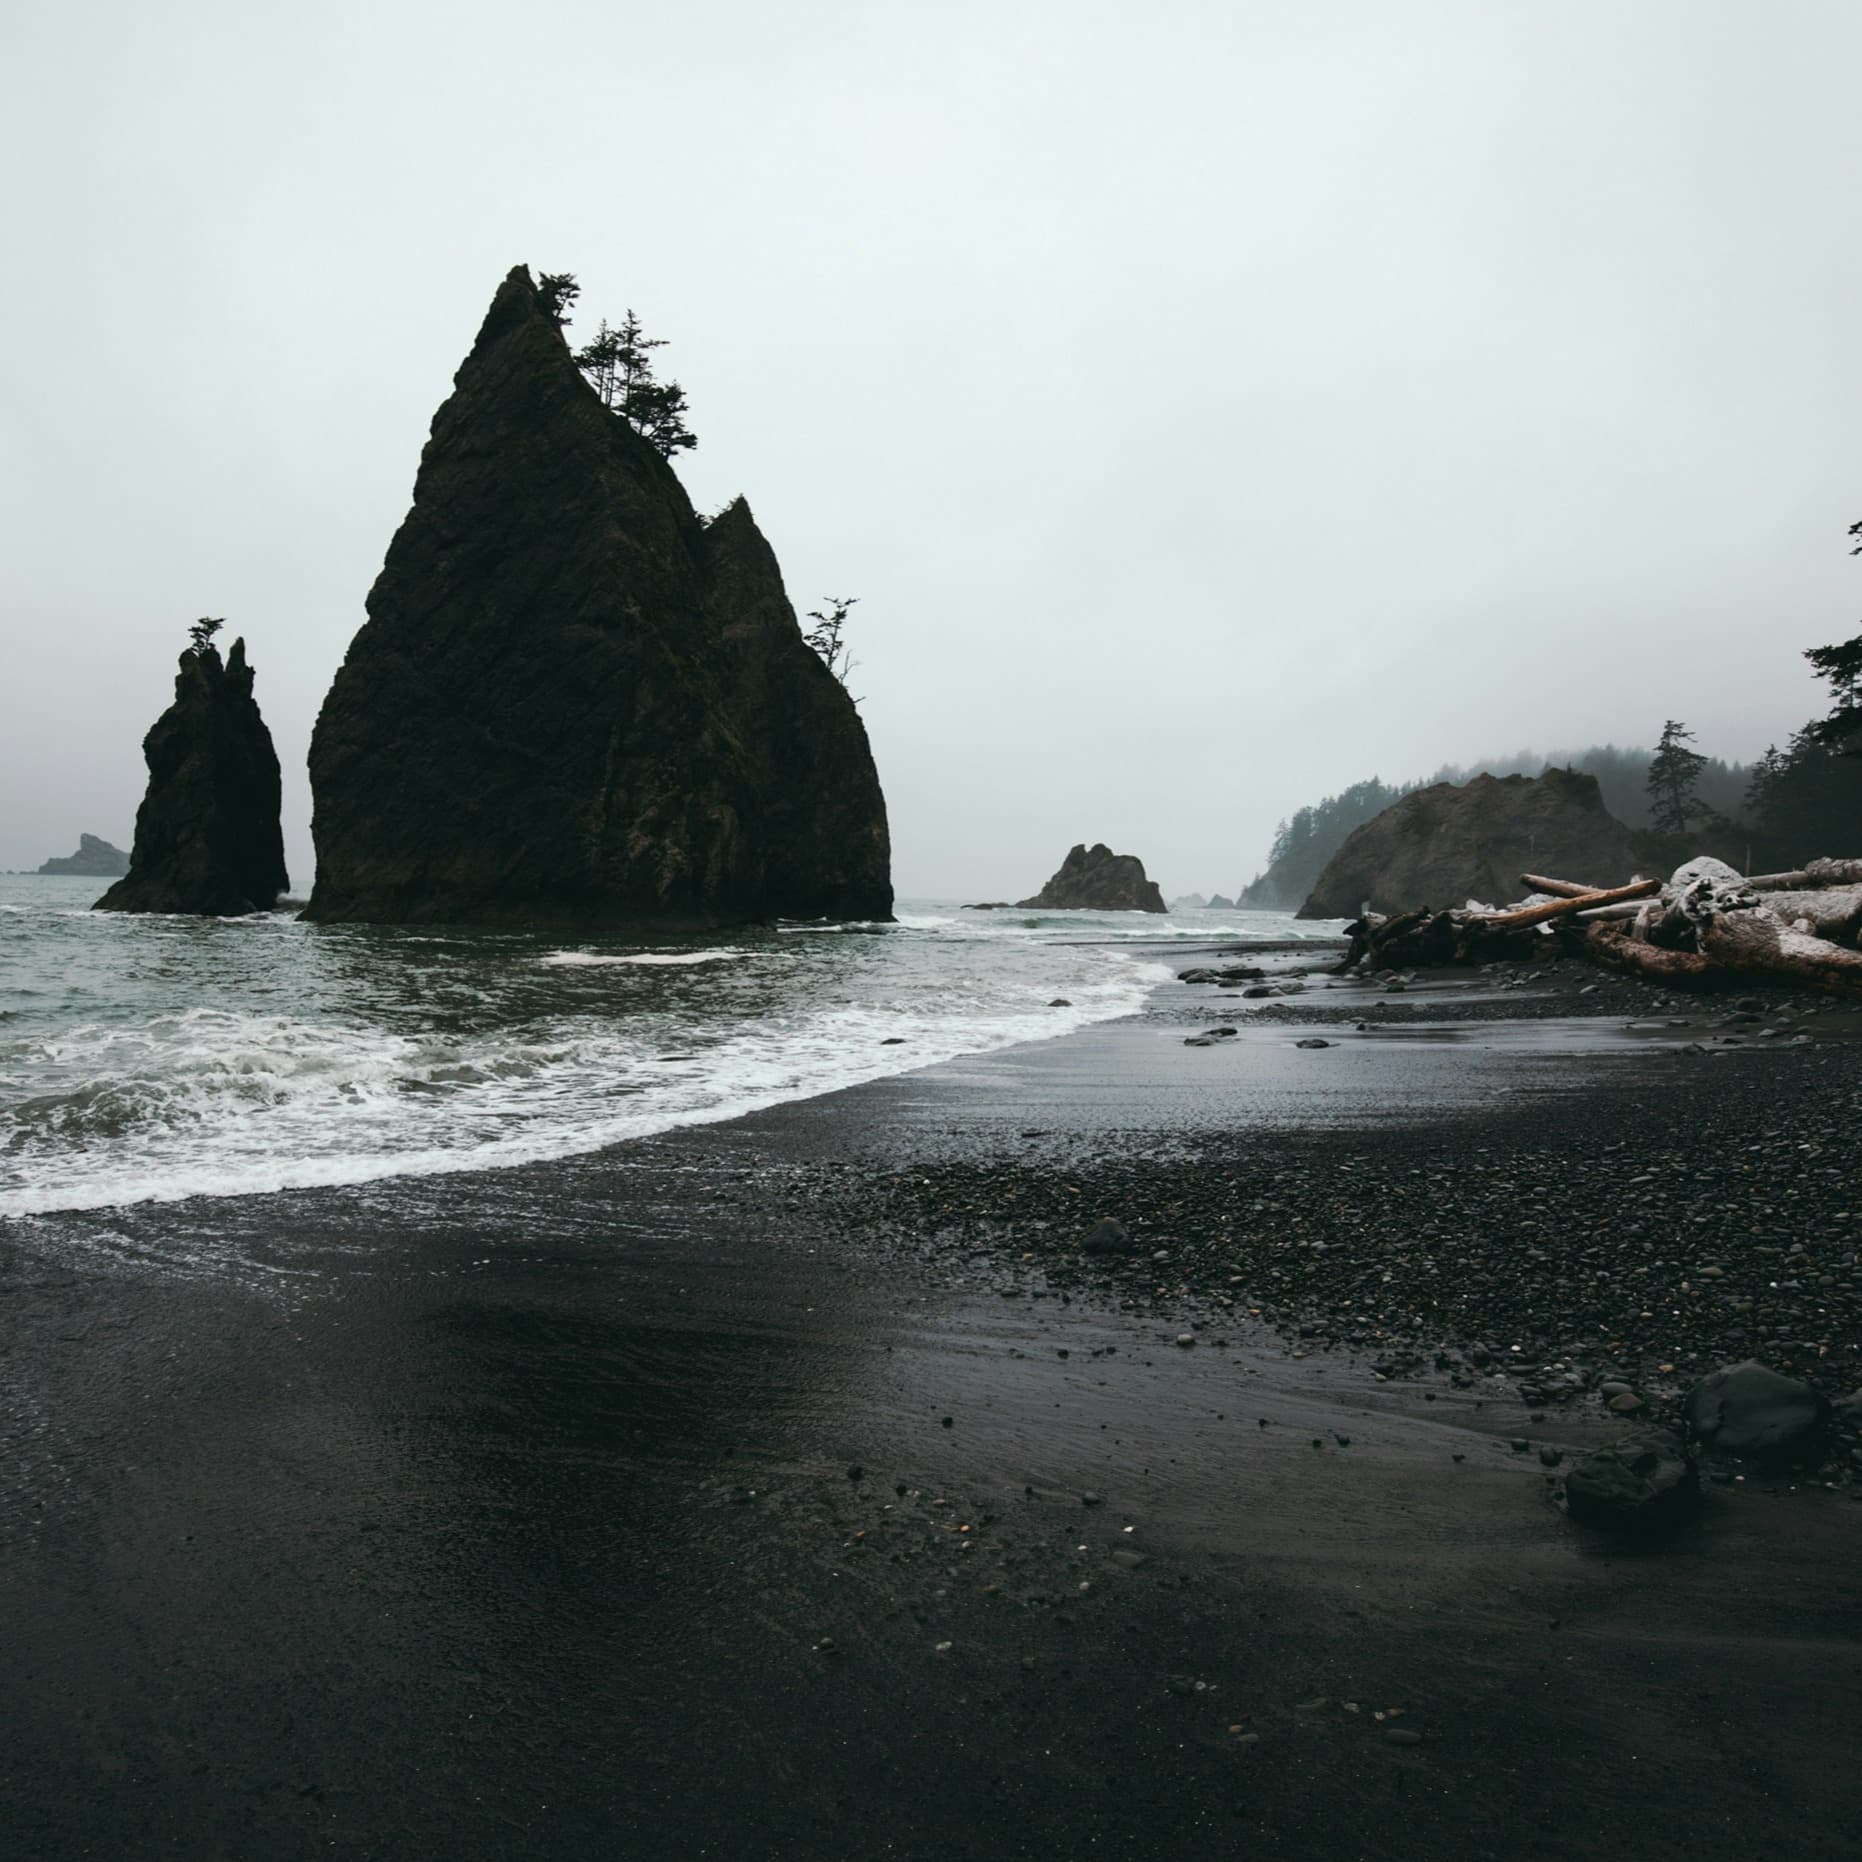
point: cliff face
(207, 833)
(573, 703)
(1096, 879)
(94, 859)
(1444, 845)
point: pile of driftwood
(1703, 923)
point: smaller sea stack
(208, 840)
(1095, 879)
(94, 859)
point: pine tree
(558, 290)
(201, 634)
(827, 636)
(1673, 777)
(619, 364)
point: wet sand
(517, 1514)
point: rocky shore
(1581, 1248)
(504, 1514)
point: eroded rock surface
(208, 840)
(1095, 879)
(1443, 845)
(573, 701)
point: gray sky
(1211, 404)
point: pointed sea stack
(207, 834)
(1095, 879)
(574, 703)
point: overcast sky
(1210, 403)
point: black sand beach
(793, 1489)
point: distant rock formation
(1096, 879)
(1221, 904)
(1189, 902)
(94, 859)
(207, 833)
(1444, 845)
(573, 702)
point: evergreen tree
(1674, 775)
(619, 363)
(202, 632)
(1841, 667)
(558, 290)
(827, 636)
(1766, 774)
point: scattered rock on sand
(1750, 1411)
(1107, 1236)
(1644, 1483)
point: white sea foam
(153, 1060)
(595, 959)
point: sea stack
(94, 859)
(1095, 879)
(207, 835)
(1444, 845)
(574, 703)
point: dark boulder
(1096, 879)
(94, 859)
(1750, 1411)
(1107, 1236)
(574, 702)
(1444, 845)
(1642, 1484)
(208, 840)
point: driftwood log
(1525, 915)
(1817, 874)
(1706, 923)
(1558, 888)
(1610, 946)
(1756, 942)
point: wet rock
(208, 840)
(1097, 879)
(1313, 1041)
(1643, 1484)
(1753, 1412)
(1107, 1236)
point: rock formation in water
(207, 833)
(1095, 879)
(575, 703)
(1444, 845)
(94, 859)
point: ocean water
(150, 1059)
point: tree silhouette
(827, 636)
(619, 365)
(202, 632)
(558, 290)
(1673, 778)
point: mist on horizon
(1210, 409)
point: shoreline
(502, 1514)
